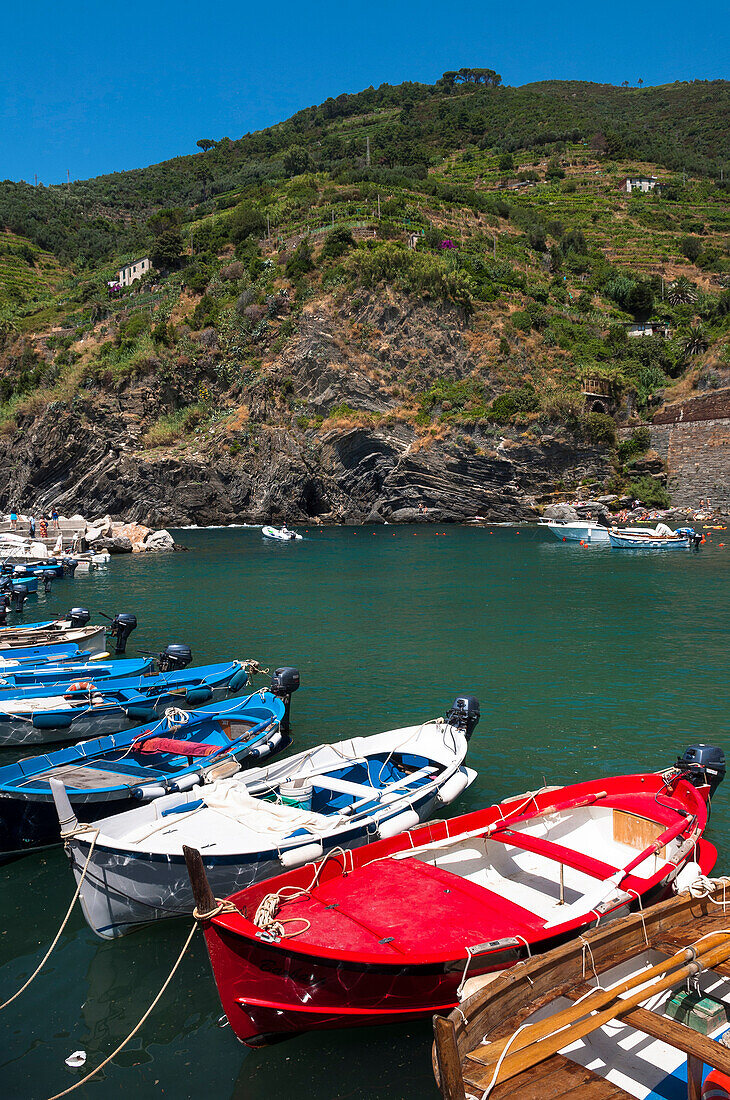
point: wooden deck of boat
(460, 1061)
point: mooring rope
(137, 1026)
(64, 922)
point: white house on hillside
(135, 270)
(639, 183)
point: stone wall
(697, 457)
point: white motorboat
(661, 538)
(281, 534)
(582, 530)
(258, 822)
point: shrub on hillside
(413, 272)
(513, 402)
(337, 243)
(638, 444)
(246, 222)
(650, 492)
(601, 429)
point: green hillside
(513, 198)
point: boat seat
(362, 790)
(579, 861)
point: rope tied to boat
(266, 917)
(704, 887)
(137, 1026)
(176, 717)
(253, 668)
(64, 922)
(221, 906)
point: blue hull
(114, 774)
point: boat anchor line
(64, 922)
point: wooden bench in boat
(362, 790)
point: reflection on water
(586, 662)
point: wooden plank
(449, 1064)
(556, 1079)
(636, 832)
(694, 1079)
(678, 1035)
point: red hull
(342, 972)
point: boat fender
(401, 823)
(296, 857)
(186, 782)
(53, 721)
(154, 790)
(197, 695)
(716, 1086)
(689, 874)
(267, 747)
(238, 680)
(453, 787)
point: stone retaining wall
(697, 457)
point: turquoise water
(586, 662)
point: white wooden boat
(578, 531)
(257, 823)
(661, 538)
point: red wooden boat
(391, 930)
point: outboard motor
(122, 626)
(47, 580)
(3, 609)
(78, 617)
(174, 657)
(69, 566)
(703, 765)
(284, 682)
(464, 714)
(19, 594)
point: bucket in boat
(296, 792)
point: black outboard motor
(464, 714)
(122, 626)
(47, 582)
(703, 765)
(174, 657)
(69, 566)
(18, 596)
(78, 617)
(284, 682)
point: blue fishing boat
(71, 631)
(48, 713)
(111, 774)
(29, 581)
(20, 677)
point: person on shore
(13, 521)
(54, 519)
(31, 527)
(43, 527)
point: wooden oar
(530, 1053)
(601, 997)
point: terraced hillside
(448, 327)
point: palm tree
(695, 341)
(681, 291)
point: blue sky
(95, 88)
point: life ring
(716, 1086)
(78, 688)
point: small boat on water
(40, 639)
(578, 531)
(281, 534)
(390, 932)
(254, 824)
(639, 1008)
(58, 675)
(662, 538)
(47, 713)
(112, 774)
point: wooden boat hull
(385, 934)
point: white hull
(625, 541)
(137, 874)
(576, 531)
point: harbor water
(586, 661)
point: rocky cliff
(326, 430)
